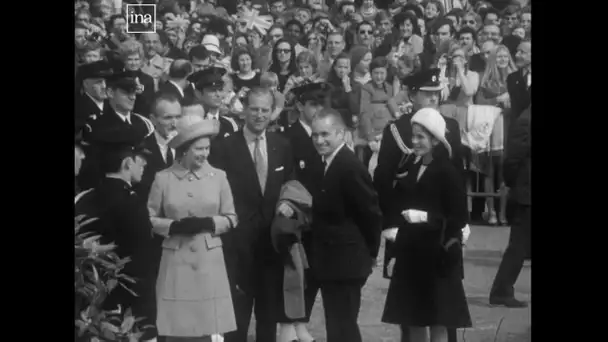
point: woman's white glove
(466, 232)
(414, 216)
(390, 234)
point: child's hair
(269, 79)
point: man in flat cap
(396, 155)
(91, 94)
(310, 99)
(121, 90)
(209, 90)
(123, 219)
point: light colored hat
(193, 127)
(434, 122)
(212, 43)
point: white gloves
(466, 232)
(390, 234)
(414, 216)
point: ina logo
(141, 18)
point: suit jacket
(347, 221)
(249, 245)
(517, 164)
(144, 100)
(519, 93)
(84, 107)
(170, 88)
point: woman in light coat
(191, 204)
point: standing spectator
(493, 83)
(177, 83)
(365, 34)
(472, 20)
(243, 75)
(283, 61)
(434, 10)
(511, 18)
(477, 62)
(490, 32)
(257, 164)
(91, 94)
(307, 72)
(426, 288)
(409, 33)
(346, 228)
(131, 53)
(199, 57)
(154, 64)
(519, 83)
(117, 27)
(526, 21)
(463, 83)
(335, 46)
(343, 98)
(191, 206)
(468, 41)
(209, 90)
(517, 166)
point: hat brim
(212, 48)
(205, 128)
(432, 88)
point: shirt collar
(160, 140)
(306, 128)
(250, 136)
(123, 117)
(97, 102)
(213, 115)
(331, 157)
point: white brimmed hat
(193, 127)
(434, 122)
(212, 43)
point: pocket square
(279, 168)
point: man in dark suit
(123, 219)
(308, 168)
(89, 101)
(516, 171)
(117, 113)
(396, 152)
(209, 91)
(257, 164)
(179, 71)
(346, 227)
(519, 83)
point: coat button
(190, 194)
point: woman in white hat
(426, 289)
(191, 204)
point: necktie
(169, 157)
(260, 163)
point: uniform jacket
(307, 162)
(123, 220)
(192, 288)
(84, 107)
(300, 201)
(255, 209)
(346, 221)
(519, 93)
(517, 164)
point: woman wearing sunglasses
(283, 61)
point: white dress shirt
(331, 157)
(163, 145)
(124, 117)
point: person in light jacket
(190, 204)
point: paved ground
(482, 258)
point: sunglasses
(365, 32)
(285, 51)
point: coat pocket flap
(212, 241)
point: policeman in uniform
(118, 112)
(396, 155)
(208, 86)
(123, 219)
(90, 98)
(308, 166)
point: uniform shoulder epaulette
(235, 127)
(149, 124)
(398, 139)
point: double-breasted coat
(192, 289)
(426, 286)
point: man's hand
(285, 210)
